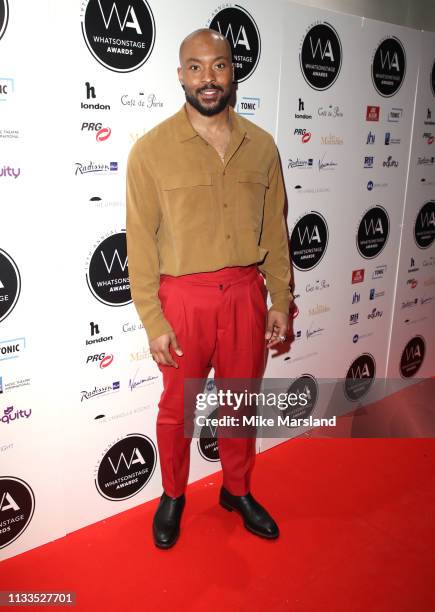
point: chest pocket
(189, 202)
(251, 191)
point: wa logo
(107, 271)
(373, 232)
(309, 240)
(240, 29)
(388, 66)
(119, 34)
(360, 377)
(320, 56)
(4, 16)
(424, 226)
(10, 284)
(412, 357)
(17, 505)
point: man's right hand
(159, 348)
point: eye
(220, 66)
(194, 67)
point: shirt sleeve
(276, 265)
(142, 223)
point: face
(206, 73)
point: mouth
(210, 94)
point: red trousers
(219, 319)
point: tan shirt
(187, 211)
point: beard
(208, 110)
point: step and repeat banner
(78, 387)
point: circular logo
(240, 29)
(373, 232)
(309, 240)
(207, 441)
(388, 66)
(126, 467)
(107, 274)
(320, 56)
(304, 391)
(424, 226)
(412, 357)
(10, 284)
(103, 134)
(360, 377)
(120, 35)
(17, 504)
(432, 78)
(370, 185)
(4, 16)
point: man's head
(206, 71)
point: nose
(208, 75)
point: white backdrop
(78, 389)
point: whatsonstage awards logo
(321, 56)
(107, 270)
(120, 35)
(10, 284)
(17, 505)
(239, 28)
(388, 66)
(4, 16)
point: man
(205, 201)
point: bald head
(204, 37)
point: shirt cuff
(157, 328)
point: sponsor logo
(373, 295)
(6, 88)
(144, 353)
(372, 113)
(326, 165)
(132, 327)
(354, 318)
(13, 385)
(239, 28)
(95, 168)
(395, 115)
(425, 161)
(318, 309)
(309, 241)
(248, 106)
(299, 189)
(388, 66)
(138, 381)
(318, 285)
(356, 297)
(426, 300)
(432, 78)
(119, 35)
(95, 335)
(320, 56)
(9, 134)
(303, 133)
(11, 349)
(373, 231)
(371, 185)
(412, 266)
(389, 140)
(90, 95)
(141, 101)
(4, 18)
(357, 337)
(301, 114)
(375, 314)
(371, 137)
(424, 225)
(409, 303)
(126, 467)
(300, 164)
(429, 137)
(10, 414)
(379, 272)
(10, 171)
(98, 202)
(412, 283)
(331, 139)
(314, 331)
(360, 377)
(102, 133)
(428, 120)
(368, 161)
(107, 271)
(103, 360)
(17, 505)
(331, 112)
(390, 163)
(429, 262)
(100, 391)
(10, 284)
(412, 357)
(358, 276)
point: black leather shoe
(255, 517)
(166, 522)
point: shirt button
(228, 236)
(225, 205)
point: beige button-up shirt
(187, 211)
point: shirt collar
(185, 130)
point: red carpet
(357, 534)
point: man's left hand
(277, 327)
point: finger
(168, 358)
(176, 346)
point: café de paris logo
(241, 31)
(120, 35)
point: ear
(234, 77)
(180, 74)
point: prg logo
(303, 133)
(102, 359)
(320, 56)
(102, 133)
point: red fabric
(219, 319)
